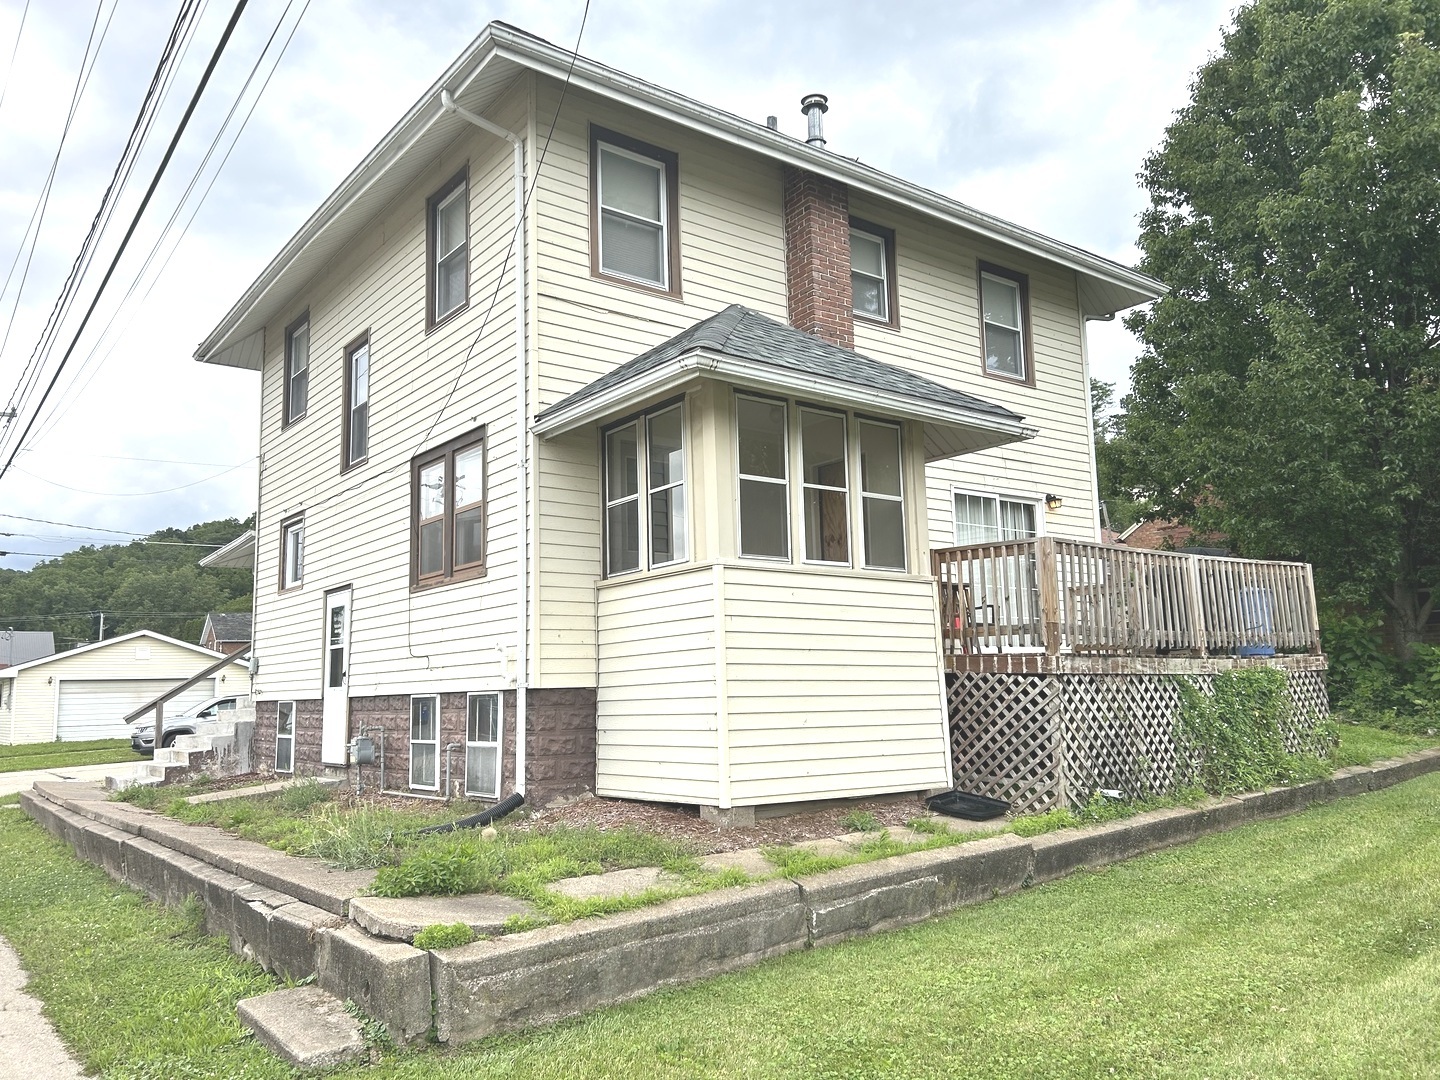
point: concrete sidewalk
(12, 782)
(27, 1041)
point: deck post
(1195, 602)
(1049, 595)
(1315, 647)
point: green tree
(1289, 390)
(139, 586)
(1117, 479)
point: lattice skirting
(1043, 741)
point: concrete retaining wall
(289, 914)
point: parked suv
(142, 739)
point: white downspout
(522, 433)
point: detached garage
(83, 693)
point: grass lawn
(54, 755)
(1308, 947)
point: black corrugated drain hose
(508, 805)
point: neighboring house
(19, 646)
(1160, 534)
(643, 502)
(226, 633)
(83, 693)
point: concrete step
(305, 1025)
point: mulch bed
(659, 819)
(684, 823)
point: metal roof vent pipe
(815, 106)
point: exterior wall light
(1053, 502)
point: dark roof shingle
(747, 335)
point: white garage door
(91, 709)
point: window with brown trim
(297, 369)
(356, 421)
(634, 201)
(447, 250)
(447, 532)
(292, 552)
(872, 273)
(1005, 324)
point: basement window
(425, 742)
(285, 737)
(482, 746)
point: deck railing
(1056, 595)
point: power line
(93, 540)
(70, 525)
(76, 387)
(42, 203)
(134, 223)
(13, 53)
(133, 494)
(139, 130)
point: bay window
(646, 515)
(764, 460)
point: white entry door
(335, 717)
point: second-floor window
(448, 244)
(872, 272)
(633, 195)
(292, 552)
(297, 368)
(1004, 323)
(448, 512)
(646, 517)
(357, 401)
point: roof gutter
(522, 428)
(364, 177)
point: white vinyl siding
(656, 707)
(453, 639)
(735, 685)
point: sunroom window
(646, 515)
(827, 514)
(882, 495)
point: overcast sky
(1040, 112)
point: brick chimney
(817, 256)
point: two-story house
(611, 456)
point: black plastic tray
(963, 804)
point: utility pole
(102, 627)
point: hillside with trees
(151, 584)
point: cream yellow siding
(425, 389)
(834, 685)
(35, 692)
(657, 717)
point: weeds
(444, 936)
(860, 821)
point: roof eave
(747, 374)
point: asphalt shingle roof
(747, 335)
(229, 627)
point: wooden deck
(1052, 605)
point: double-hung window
(448, 511)
(482, 746)
(825, 467)
(762, 437)
(425, 742)
(646, 516)
(357, 401)
(633, 195)
(297, 368)
(285, 737)
(882, 495)
(1004, 323)
(292, 552)
(872, 272)
(448, 242)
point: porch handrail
(1056, 595)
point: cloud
(1041, 113)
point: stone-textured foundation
(559, 744)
